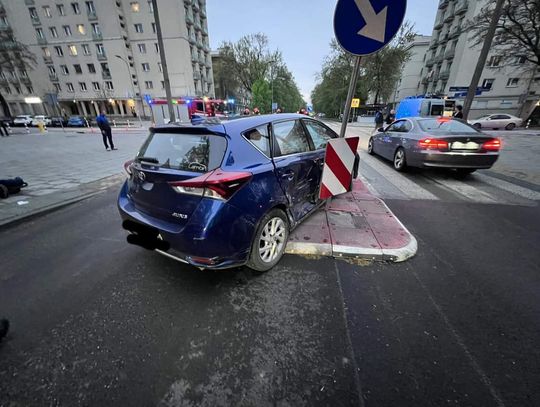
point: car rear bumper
(205, 242)
(457, 160)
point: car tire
(477, 126)
(510, 126)
(265, 254)
(370, 147)
(400, 160)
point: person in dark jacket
(106, 131)
(391, 117)
(458, 113)
(379, 120)
(3, 129)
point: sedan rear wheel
(510, 126)
(370, 146)
(270, 241)
(400, 162)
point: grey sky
(301, 29)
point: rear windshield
(185, 152)
(446, 126)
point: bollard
(41, 127)
(9, 128)
(114, 123)
(128, 123)
(27, 129)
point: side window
(395, 127)
(290, 138)
(259, 138)
(319, 134)
(407, 127)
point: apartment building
(509, 84)
(409, 82)
(103, 55)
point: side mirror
(380, 130)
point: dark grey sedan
(435, 142)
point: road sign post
(363, 28)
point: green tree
(262, 95)
(13, 56)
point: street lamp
(272, 83)
(132, 86)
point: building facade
(409, 82)
(509, 84)
(103, 55)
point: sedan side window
(259, 138)
(395, 127)
(407, 127)
(320, 135)
(290, 138)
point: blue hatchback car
(221, 195)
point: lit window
(138, 28)
(47, 11)
(145, 66)
(149, 85)
(80, 29)
(70, 87)
(46, 52)
(73, 50)
(82, 86)
(135, 7)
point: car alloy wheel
(270, 241)
(400, 162)
(370, 146)
(511, 126)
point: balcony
(97, 36)
(444, 75)
(204, 30)
(462, 7)
(439, 58)
(436, 77)
(434, 44)
(200, 45)
(430, 62)
(438, 24)
(92, 16)
(455, 32)
(443, 4)
(189, 19)
(197, 25)
(196, 75)
(194, 57)
(196, 6)
(42, 41)
(202, 60)
(106, 75)
(102, 56)
(425, 81)
(444, 38)
(187, 2)
(450, 54)
(192, 39)
(449, 17)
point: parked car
(58, 121)
(41, 119)
(497, 121)
(218, 196)
(76, 121)
(435, 142)
(22, 120)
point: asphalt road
(98, 322)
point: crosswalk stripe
(462, 188)
(406, 186)
(509, 187)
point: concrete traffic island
(355, 225)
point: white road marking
(462, 188)
(509, 187)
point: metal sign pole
(350, 95)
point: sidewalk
(354, 225)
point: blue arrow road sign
(363, 27)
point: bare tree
(518, 29)
(13, 55)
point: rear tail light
(492, 145)
(217, 184)
(127, 167)
(433, 144)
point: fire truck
(186, 107)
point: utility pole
(166, 80)
(350, 95)
(482, 59)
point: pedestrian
(106, 131)
(391, 117)
(3, 129)
(379, 120)
(256, 111)
(279, 110)
(246, 112)
(458, 113)
(303, 111)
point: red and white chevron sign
(338, 167)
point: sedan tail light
(217, 184)
(433, 144)
(492, 145)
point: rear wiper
(150, 160)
